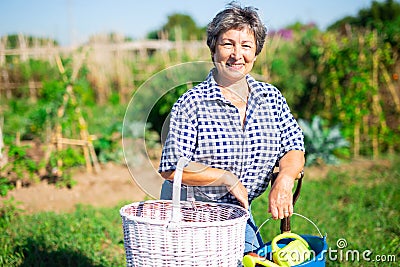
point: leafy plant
(108, 146)
(70, 158)
(321, 142)
(65, 180)
(9, 209)
(5, 186)
(21, 165)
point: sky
(71, 22)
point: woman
(233, 128)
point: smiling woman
(232, 128)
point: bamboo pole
(178, 42)
(390, 86)
(88, 150)
(3, 154)
(86, 139)
(84, 136)
(6, 83)
(32, 90)
(23, 47)
(376, 108)
(59, 146)
(3, 45)
(164, 52)
(357, 112)
(50, 140)
(356, 138)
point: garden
(62, 116)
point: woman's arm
(280, 196)
(196, 174)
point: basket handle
(176, 189)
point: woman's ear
(254, 59)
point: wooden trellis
(58, 142)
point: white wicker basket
(182, 233)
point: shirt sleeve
(181, 138)
(291, 133)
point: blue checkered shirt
(206, 128)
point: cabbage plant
(321, 142)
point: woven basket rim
(140, 219)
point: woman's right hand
(236, 188)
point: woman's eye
(227, 44)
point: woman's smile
(235, 66)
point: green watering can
(294, 253)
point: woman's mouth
(235, 66)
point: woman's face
(235, 53)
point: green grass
(363, 209)
(87, 237)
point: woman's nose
(237, 52)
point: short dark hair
(236, 17)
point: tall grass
(362, 208)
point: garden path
(108, 188)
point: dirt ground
(114, 184)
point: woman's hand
(281, 198)
(197, 174)
(236, 188)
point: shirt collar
(213, 91)
(257, 90)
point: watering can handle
(285, 222)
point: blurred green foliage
(21, 164)
(5, 186)
(179, 27)
(383, 16)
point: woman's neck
(236, 90)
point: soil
(114, 185)
(108, 188)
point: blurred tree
(179, 27)
(375, 16)
(109, 38)
(13, 41)
(382, 16)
